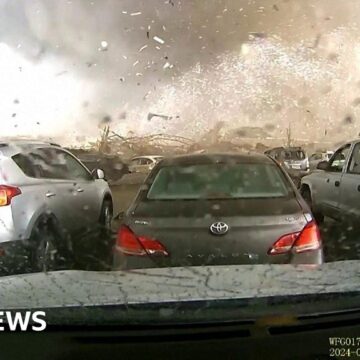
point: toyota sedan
(217, 210)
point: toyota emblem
(219, 228)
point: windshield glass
(218, 181)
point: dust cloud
(73, 66)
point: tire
(104, 253)
(106, 215)
(43, 247)
(306, 194)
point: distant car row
(296, 162)
(193, 210)
(316, 158)
(114, 167)
(331, 185)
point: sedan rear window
(218, 181)
(295, 155)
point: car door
(87, 201)
(350, 186)
(326, 184)
(52, 190)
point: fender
(39, 214)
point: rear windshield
(218, 181)
(294, 155)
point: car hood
(167, 285)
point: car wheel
(43, 253)
(306, 194)
(106, 216)
(104, 253)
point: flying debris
(165, 117)
(159, 40)
(143, 48)
(103, 46)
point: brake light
(307, 240)
(284, 244)
(130, 244)
(7, 193)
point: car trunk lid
(184, 229)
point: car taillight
(130, 244)
(306, 240)
(309, 239)
(7, 193)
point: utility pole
(288, 136)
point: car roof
(13, 147)
(350, 142)
(147, 157)
(291, 148)
(210, 158)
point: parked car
(144, 164)
(217, 210)
(293, 159)
(334, 190)
(317, 157)
(112, 165)
(49, 205)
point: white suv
(50, 205)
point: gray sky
(70, 66)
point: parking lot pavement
(341, 242)
(123, 195)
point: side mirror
(98, 174)
(322, 165)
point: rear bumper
(122, 262)
(8, 230)
(315, 257)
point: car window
(145, 161)
(316, 157)
(294, 155)
(218, 181)
(354, 166)
(71, 168)
(274, 154)
(339, 159)
(41, 163)
(135, 162)
(28, 164)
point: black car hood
(166, 285)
